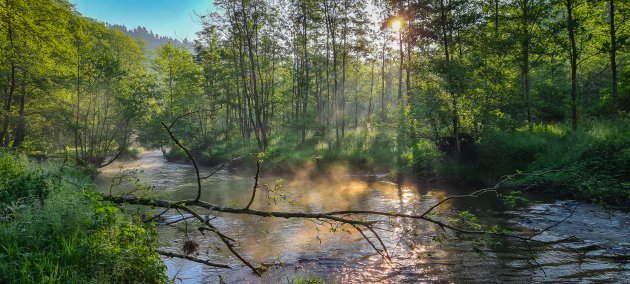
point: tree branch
(170, 133)
(255, 185)
(192, 258)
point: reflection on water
(300, 247)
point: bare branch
(557, 223)
(170, 133)
(156, 216)
(192, 258)
(185, 115)
(255, 185)
(215, 171)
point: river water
(421, 252)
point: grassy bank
(592, 162)
(52, 230)
(360, 150)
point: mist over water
(292, 247)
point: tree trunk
(4, 135)
(383, 80)
(613, 58)
(307, 75)
(574, 55)
(400, 71)
(526, 80)
(20, 127)
(369, 115)
(7, 108)
(455, 115)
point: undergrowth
(52, 230)
(592, 162)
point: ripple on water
(292, 248)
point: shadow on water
(297, 247)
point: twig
(255, 185)
(557, 223)
(215, 171)
(192, 258)
(156, 216)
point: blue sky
(174, 18)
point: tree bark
(383, 80)
(613, 58)
(20, 127)
(526, 79)
(455, 116)
(573, 57)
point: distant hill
(152, 41)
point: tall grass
(592, 162)
(360, 149)
(52, 231)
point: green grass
(309, 280)
(52, 231)
(361, 150)
(592, 162)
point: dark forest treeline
(149, 40)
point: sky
(173, 18)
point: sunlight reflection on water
(299, 247)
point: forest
(528, 95)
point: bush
(592, 162)
(67, 234)
(17, 183)
(423, 157)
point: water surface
(290, 248)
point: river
(420, 253)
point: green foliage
(466, 220)
(591, 162)
(424, 156)
(309, 280)
(17, 183)
(514, 199)
(361, 149)
(69, 235)
(501, 153)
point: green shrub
(309, 280)
(17, 182)
(68, 234)
(592, 162)
(425, 156)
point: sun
(397, 24)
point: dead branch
(255, 185)
(215, 171)
(192, 258)
(179, 144)
(156, 216)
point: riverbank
(54, 228)
(591, 163)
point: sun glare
(396, 25)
